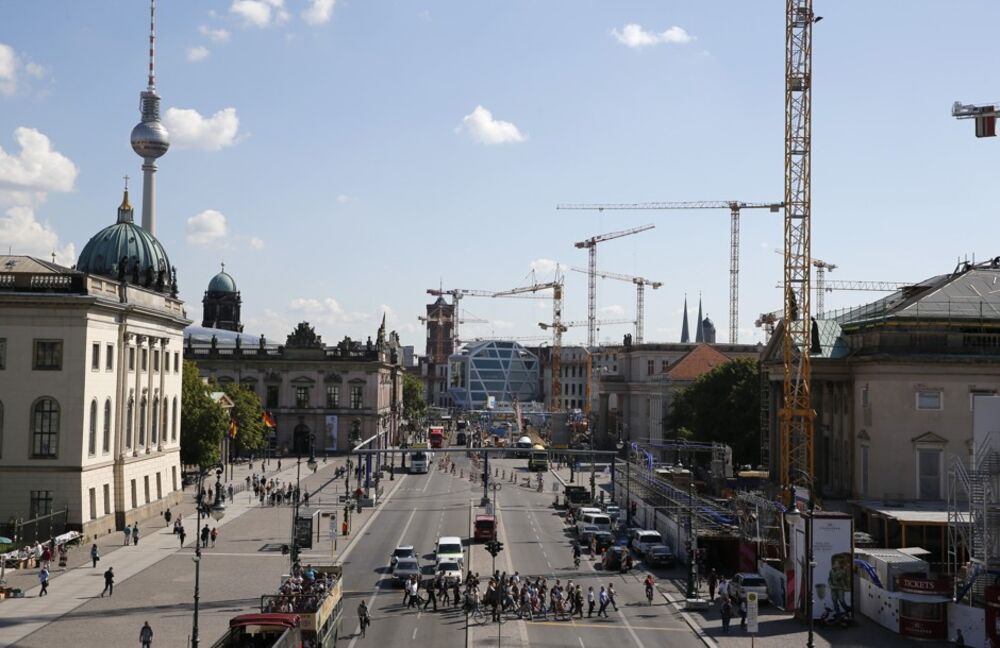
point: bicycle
(649, 594)
(478, 614)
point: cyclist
(576, 554)
(649, 588)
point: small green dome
(222, 282)
(125, 251)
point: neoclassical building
(331, 396)
(90, 362)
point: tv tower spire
(150, 139)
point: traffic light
(494, 547)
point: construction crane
(557, 326)
(591, 246)
(984, 114)
(821, 269)
(640, 295)
(440, 320)
(797, 416)
(734, 207)
(456, 298)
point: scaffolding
(974, 521)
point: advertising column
(833, 557)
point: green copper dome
(126, 252)
(222, 282)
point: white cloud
(256, 243)
(319, 11)
(8, 70)
(260, 13)
(22, 234)
(188, 129)
(544, 265)
(199, 53)
(633, 35)
(483, 128)
(36, 168)
(325, 311)
(614, 310)
(343, 199)
(206, 228)
(215, 35)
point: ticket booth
(923, 606)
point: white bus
(419, 462)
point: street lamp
(692, 544)
(218, 511)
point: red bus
(268, 630)
(436, 436)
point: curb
(558, 478)
(699, 631)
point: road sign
(752, 612)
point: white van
(643, 539)
(599, 520)
(418, 462)
(449, 548)
(583, 510)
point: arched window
(128, 424)
(44, 429)
(142, 423)
(92, 430)
(106, 442)
(154, 430)
(173, 421)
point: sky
(341, 157)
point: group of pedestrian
(729, 604)
(271, 492)
(131, 534)
(534, 597)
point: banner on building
(332, 431)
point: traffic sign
(752, 612)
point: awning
(919, 598)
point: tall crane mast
(797, 416)
(821, 269)
(591, 246)
(557, 326)
(456, 298)
(734, 207)
(640, 295)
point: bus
(320, 609)
(273, 630)
(419, 462)
(436, 436)
(538, 459)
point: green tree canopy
(203, 422)
(723, 405)
(414, 405)
(251, 433)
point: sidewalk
(76, 585)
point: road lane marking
(361, 531)
(414, 634)
(583, 625)
(581, 642)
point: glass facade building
(492, 368)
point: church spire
(685, 334)
(699, 326)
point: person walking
(611, 596)
(455, 592)
(231, 491)
(578, 600)
(743, 615)
(167, 516)
(406, 592)
(95, 555)
(214, 535)
(204, 536)
(135, 534)
(727, 613)
(146, 635)
(182, 534)
(590, 601)
(109, 582)
(431, 594)
(43, 579)
(713, 582)
(602, 597)
(127, 531)
(364, 618)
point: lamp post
(311, 464)
(692, 545)
(218, 511)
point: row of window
(45, 425)
(303, 396)
(47, 355)
(40, 502)
(651, 366)
(572, 389)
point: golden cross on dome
(126, 181)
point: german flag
(268, 419)
(232, 428)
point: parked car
(450, 571)
(585, 532)
(404, 569)
(402, 551)
(642, 539)
(613, 512)
(748, 582)
(613, 557)
(600, 541)
(659, 555)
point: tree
(203, 422)
(723, 405)
(414, 405)
(250, 431)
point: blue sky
(342, 157)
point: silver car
(404, 569)
(748, 582)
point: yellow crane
(640, 295)
(734, 207)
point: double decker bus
(436, 436)
(262, 630)
(318, 604)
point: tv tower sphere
(149, 138)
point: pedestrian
(46, 557)
(43, 579)
(183, 535)
(455, 592)
(214, 535)
(364, 619)
(146, 635)
(590, 601)
(602, 597)
(611, 596)
(723, 587)
(231, 491)
(95, 555)
(406, 591)
(578, 600)
(959, 638)
(743, 615)
(713, 581)
(135, 533)
(726, 612)
(109, 582)
(279, 465)
(167, 515)
(204, 536)
(431, 594)
(127, 532)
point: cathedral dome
(222, 282)
(125, 251)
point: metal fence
(39, 529)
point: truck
(320, 609)
(576, 496)
(538, 460)
(436, 436)
(419, 461)
(485, 528)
